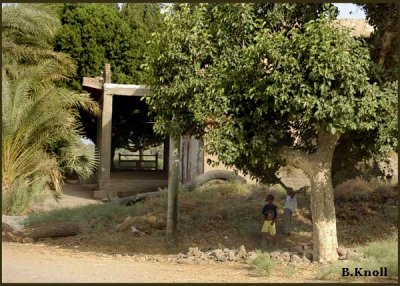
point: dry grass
(380, 253)
(353, 189)
(215, 215)
(360, 189)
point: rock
(216, 252)
(308, 255)
(27, 240)
(232, 256)
(296, 259)
(195, 252)
(306, 260)
(242, 252)
(221, 257)
(181, 255)
(275, 254)
(285, 256)
(297, 248)
(341, 251)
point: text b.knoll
(382, 271)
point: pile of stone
(298, 255)
(195, 255)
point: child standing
(288, 209)
(270, 214)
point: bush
(353, 189)
(262, 264)
(18, 200)
(386, 252)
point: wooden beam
(126, 89)
(93, 82)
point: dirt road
(27, 263)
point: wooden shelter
(192, 157)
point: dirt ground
(48, 262)
(33, 263)
(78, 259)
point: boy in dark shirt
(270, 214)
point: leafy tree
(95, 34)
(40, 130)
(384, 18)
(265, 94)
(354, 155)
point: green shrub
(382, 253)
(262, 264)
(19, 199)
(386, 252)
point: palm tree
(41, 134)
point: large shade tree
(265, 89)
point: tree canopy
(265, 93)
(96, 34)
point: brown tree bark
(317, 167)
(190, 186)
(42, 231)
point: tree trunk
(190, 186)
(318, 168)
(213, 175)
(323, 213)
(51, 229)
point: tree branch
(297, 159)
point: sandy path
(39, 263)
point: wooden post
(166, 155)
(173, 186)
(192, 158)
(105, 138)
(141, 163)
(105, 149)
